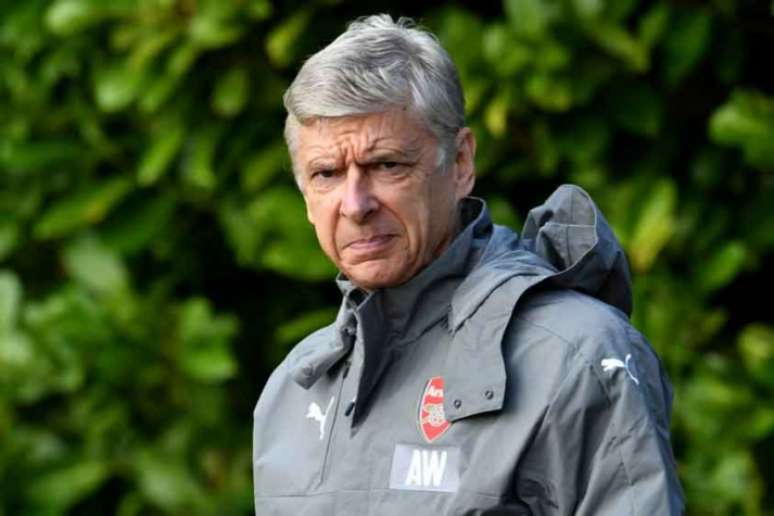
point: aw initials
(427, 468)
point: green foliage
(149, 219)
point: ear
(464, 163)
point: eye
(392, 166)
(323, 174)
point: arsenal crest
(432, 420)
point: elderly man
(470, 370)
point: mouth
(369, 243)
(370, 247)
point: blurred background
(156, 264)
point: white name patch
(425, 468)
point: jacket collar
(386, 317)
(405, 311)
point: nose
(358, 201)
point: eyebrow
(321, 162)
(408, 150)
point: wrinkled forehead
(395, 130)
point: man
(470, 370)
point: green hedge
(155, 261)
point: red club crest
(432, 420)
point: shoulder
(575, 338)
(299, 366)
(583, 323)
(568, 333)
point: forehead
(394, 130)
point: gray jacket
(503, 379)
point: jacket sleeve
(603, 446)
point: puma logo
(611, 364)
(314, 412)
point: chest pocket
(289, 457)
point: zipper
(331, 432)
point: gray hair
(375, 65)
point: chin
(376, 279)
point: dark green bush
(155, 261)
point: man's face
(380, 207)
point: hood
(570, 233)
(566, 242)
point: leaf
(550, 92)
(10, 299)
(116, 85)
(709, 399)
(159, 90)
(655, 225)
(209, 364)
(198, 163)
(636, 107)
(585, 140)
(149, 46)
(618, 42)
(9, 238)
(66, 17)
(37, 155)
(162, 150)
(259, 9)
(756, 346)
(166, 482)
(723, 265)
(242, 235)
(231, 92)
(739, 119)
(93, 265)
(736, 477)
(135, 226)
(747, 121)
(551, 57)
(214, 25)
(528, 18)
(496, 115)
(281, 41)
(205, 352)
(264, 165)
(462, 34)
(290, 245)
(685, 43)
(61, 488)
(87, 206)
(654, 24)
(503, 53)
(588, 8)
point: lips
(372, 243)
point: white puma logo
(315, 413)
(611, 364)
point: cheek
(321, 216)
